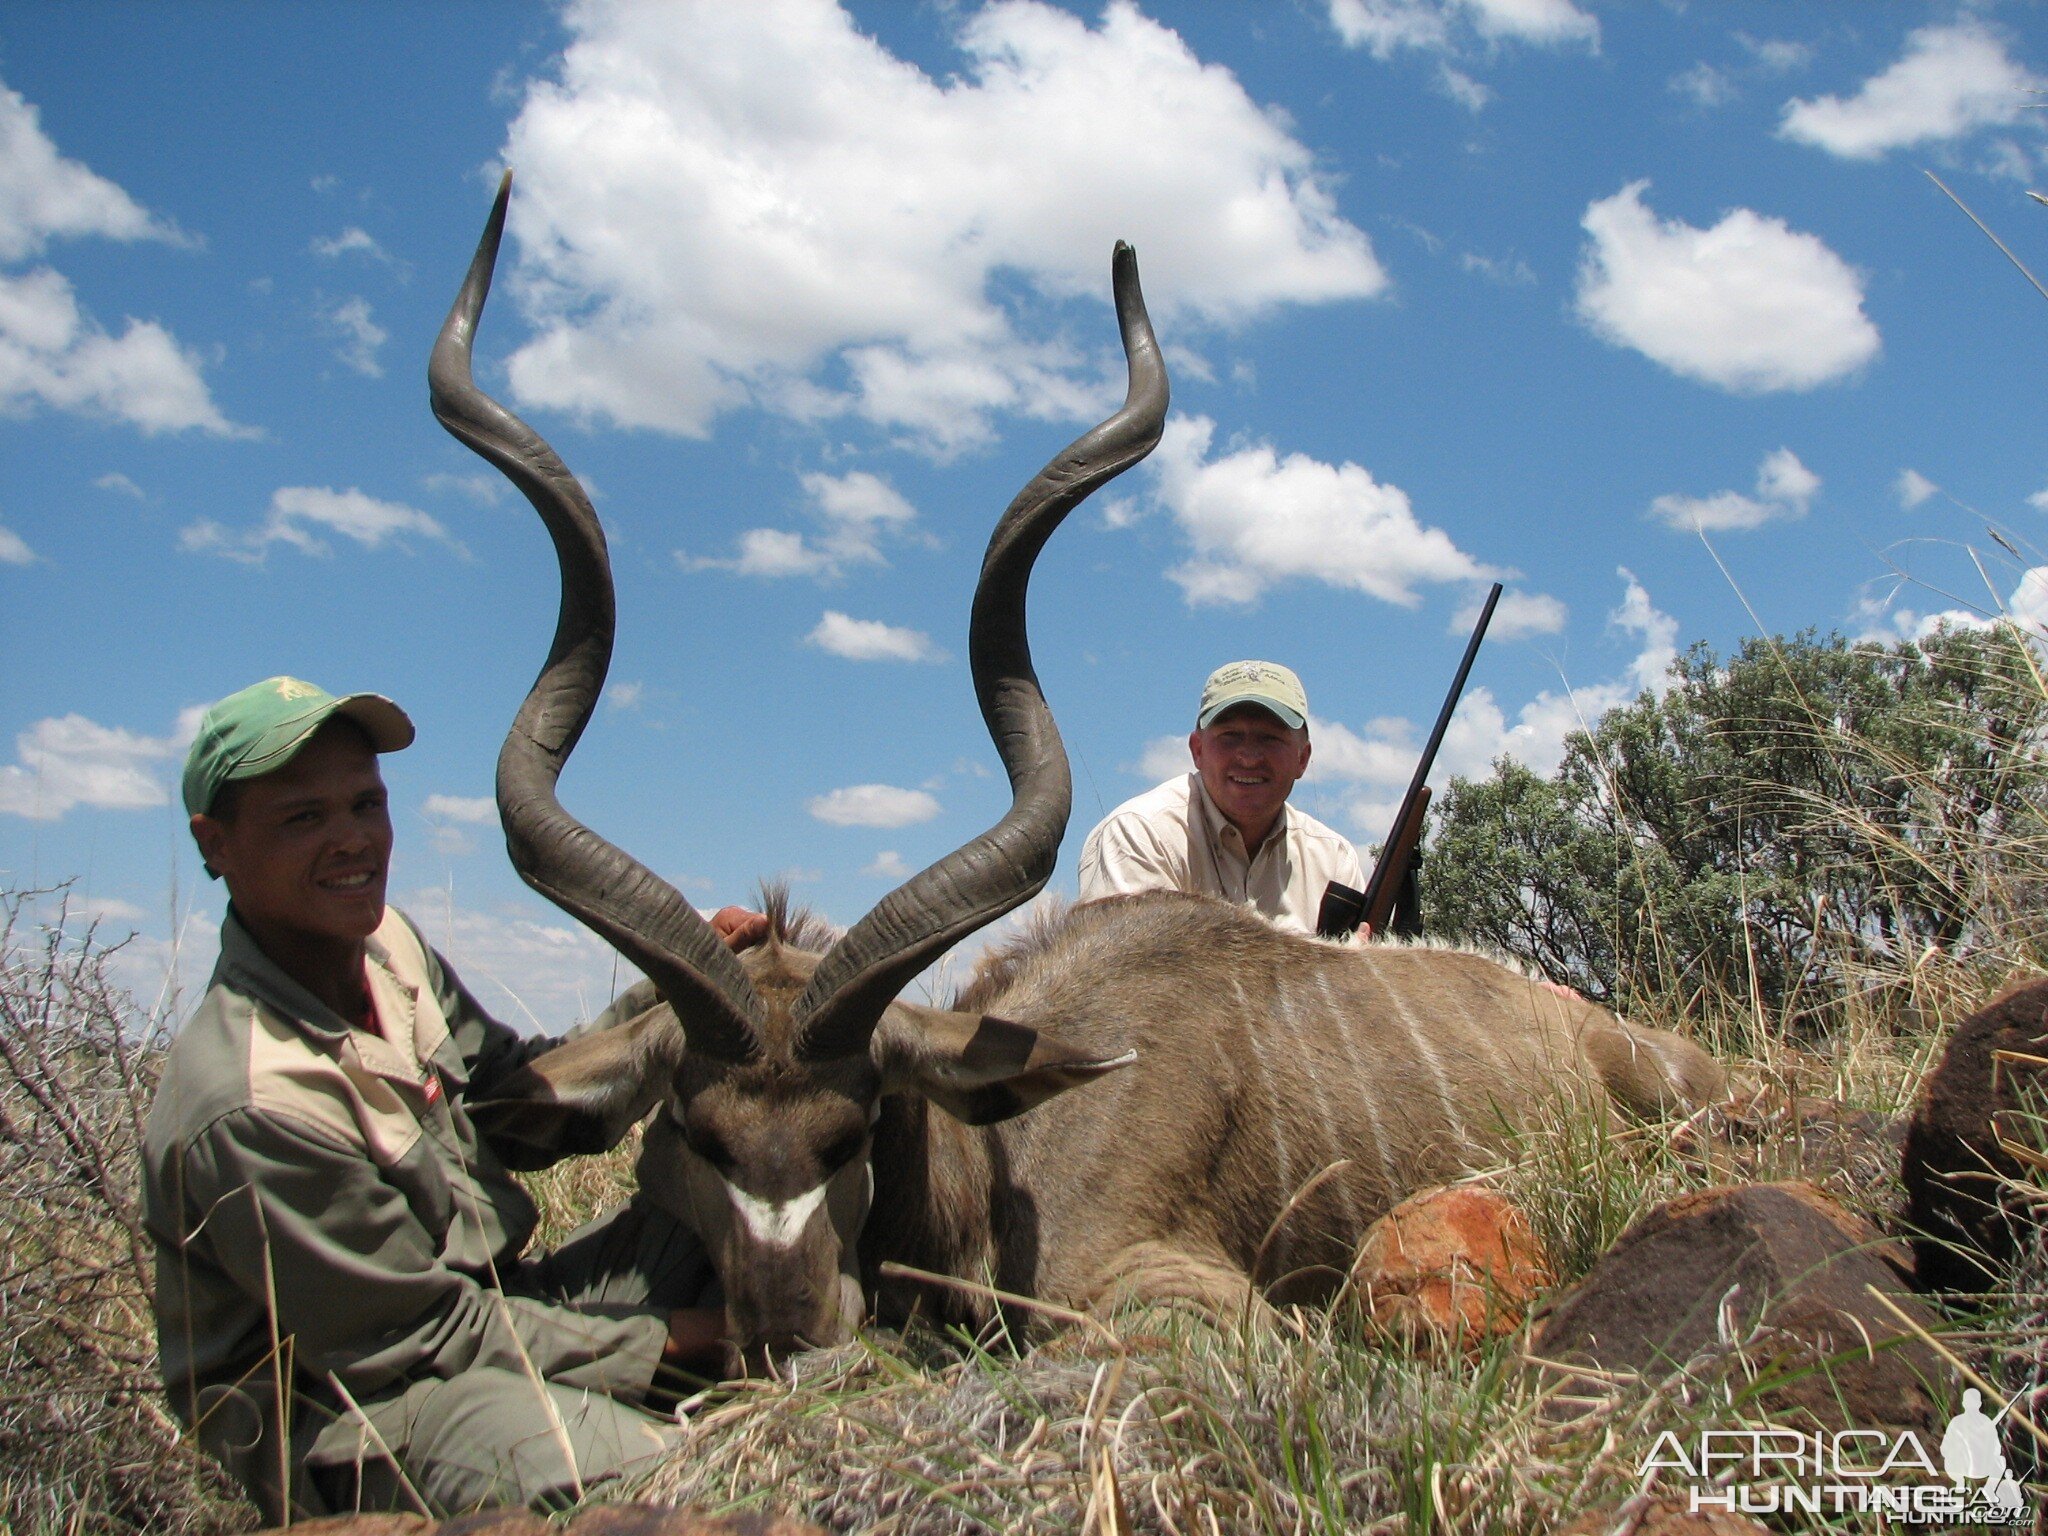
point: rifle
(1343, 908)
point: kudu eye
(707, 1145)
(842, 1150)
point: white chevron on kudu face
(778, 1223)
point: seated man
(1226, 829)
(344, 1315)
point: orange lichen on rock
(1449, 1267)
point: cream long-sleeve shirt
(1173, 838)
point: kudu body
(810, 1125)
(1285, 1092)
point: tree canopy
(1805, 818)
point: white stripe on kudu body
(778, 1223)
(1447, 1094)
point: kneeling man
(345, 1315)
(1226, 829)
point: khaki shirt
(1174, 839)
(290, 1156)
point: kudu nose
(786, 1319)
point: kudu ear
(979, 1068)
(586, 1093)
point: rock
(1449, 1267)
(1662, 1517)
(1953, 1162)
(1782, 1256)
(356, 1525)
(667, 1520)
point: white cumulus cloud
(1950, 81)
(299, 514)
(1706, 85)
(1384, 26)
(1785, 488)
(1372, 766)
(360, 336)
(53, 353)
(103, 909)
(871, 640)
(857, 510)
(485, 488)
(1912, 488)
(354, 241)
(68, 761)
(1164, 757)
(1749, 305)
(470, 810)
(14, 548)
(2026, 607)
(1516, 616)
(42, 194)
(1776, 55)
(540, 974)
(719, 203)
(873, 805)
(1255, 519)
(887, 865)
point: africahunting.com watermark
(1849, 1471)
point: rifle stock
(1383, 886)
(1344, 909)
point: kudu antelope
(1262, 1097)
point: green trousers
(491, 1436)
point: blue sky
(1647, 309)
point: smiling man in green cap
(345, 1315)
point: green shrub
(1782, 831)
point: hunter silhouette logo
(1971, 1452)
(1776, 1470)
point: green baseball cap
(1264, 683)
(260, 729)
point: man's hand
(739, 928)
(697, 1345)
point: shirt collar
(1215, 825)
(248, 969)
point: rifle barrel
(1443, 719)
(1402, 839)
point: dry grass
(85, 1442)
(572, 1192)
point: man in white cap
(1226, 829)
(346, 1314)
